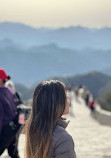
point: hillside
(96, 82)
(50, 60)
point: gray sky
(57, 13)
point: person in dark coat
(7, 114)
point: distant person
(46, 136)
(22, 110)
(9, 84)
(87, 96)
(81, 90)
(92, 106)
(76, 95)
(76, 92)
(70, 95)
(7, 114)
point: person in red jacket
(92, 106)
(7, 114)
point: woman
(45, 129)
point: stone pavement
(92, 140)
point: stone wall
(102, 116)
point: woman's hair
(49, 102)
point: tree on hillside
(105, 101)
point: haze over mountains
(33, 54)
(71, 37)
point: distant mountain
(36, 63)
(74, 37)
(107, 71)
(6, 42)
(25, 93)
(32, 54)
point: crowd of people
(82, 92)
(88, 98)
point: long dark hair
(49, 102)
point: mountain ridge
(51, 52)
(75, 37)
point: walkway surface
(92, 140)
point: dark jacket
(62, 144)
(7, 107)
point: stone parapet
(102, 116)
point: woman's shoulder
(62, 143)
(60, 135)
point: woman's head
(49, 102)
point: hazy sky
(90, 13)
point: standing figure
(9, 84)
(46, 136)
(7, 114)
(92, 106)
